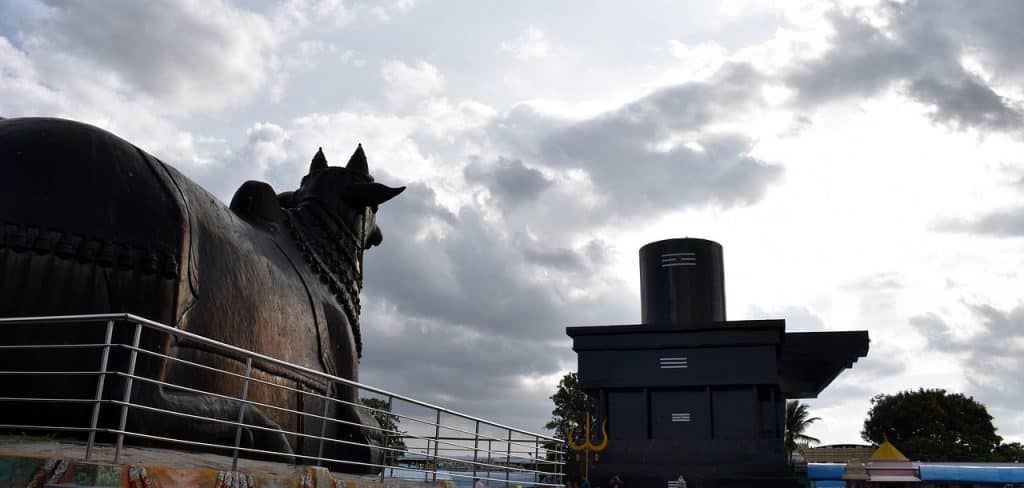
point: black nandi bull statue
(91, 224)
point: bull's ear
(319, 162)
(357, 163)
(370, 194)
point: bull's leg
(363, 440)
(268, 438)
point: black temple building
(688, 393)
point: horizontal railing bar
(261, 381)
(471, 438)
(287, 432)
(237, 350)
(288, 410)
(51, 400)
(528, 451)
(259, 404)
(50, 346)
(226, 397)
(316, 395)
(49, 427)
(243, 424)
(249, 402)
(482, 436)
(51, 373)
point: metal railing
(421, 440)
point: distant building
(838, 453)
(887, 467)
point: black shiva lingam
(688, 394)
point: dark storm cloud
(967, 102)
(1000, 223)
(473, 373)
(656, 153)
(451, 296)
(920, 51)
(509, 180)
(861, 61)
(462, 270)
(992, 356)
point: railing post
(426, 474)
(387, 433)
(562, 456)
(437, 438)
(127, 392)
(536, 459)
(241, 413)
(323, 422)
(489, 460)
(476, 447)
(104, 356)
(508, 457)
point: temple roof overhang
(811, 360)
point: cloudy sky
(861, 164)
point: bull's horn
(369, 194)
(319, 162)
(357, 163)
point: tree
(932, 425)
(570, 409)
(798, 419)
(570, 406)
(1008, 453)
(387, 421)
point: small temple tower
(689, 396)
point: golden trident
(587, 447)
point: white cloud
(316, 14)
(698, 61)
(410, 83)
(386, 11)
(186, 55)
(529, 45)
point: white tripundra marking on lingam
(669, 260)
(680, 417)
(673, 363)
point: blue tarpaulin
(977, 474)
(825, 471)
(830, 484)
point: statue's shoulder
(256, 202)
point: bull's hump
(257, 203)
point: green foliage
(570, 410)
(798, 419)
(389, 422)
(1008, 453)
(570, 406)
(932, 425)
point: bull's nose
(375, 238)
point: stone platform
(46, 462)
